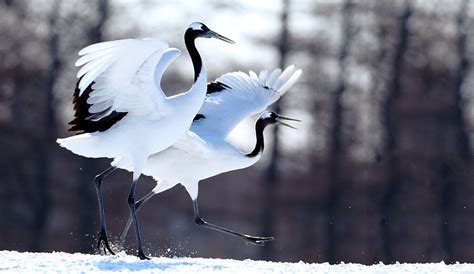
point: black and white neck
(260, 126)
(189, 39)
(199, 30)
(265, 119)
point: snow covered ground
(17, 262)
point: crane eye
(204, 28)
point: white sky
(169, 19)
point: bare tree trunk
(394, 90)
(463, 67)
(464, 149)
(42, 197)
(378, 74)
(96, 33)
(270, 203)
(381, 32)
(88, 172)
(335, 134)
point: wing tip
(290, 81)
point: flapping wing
(237, 95)
(123, 76)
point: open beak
(220, 37)
(287, 119)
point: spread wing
(237, 95)
(121, 76)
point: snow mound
(59, 262)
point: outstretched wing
(237, 95)
(121, 76)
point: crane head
(201, 30)
(270, 117)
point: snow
(60, 262)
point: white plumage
(127, 76)
(204, 152)
(121, 109)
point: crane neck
(259, 145)
(189, 39)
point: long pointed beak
(216, 35)
(287, 119)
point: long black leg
(130, 220)
(102, 236)
(251, 239)
(131, 205)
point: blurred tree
(269, 213)
(459, 79)
(336, 145)
(393, 90)
(43, 155)
(25, 199)
(85, 176)
(447, 169)
(378, 66)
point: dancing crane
(121, 112)
(204, 151)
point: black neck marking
(189, 39)
(259, 127)
(216, 86)
(81, 122)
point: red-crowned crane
(121, 112)
(204, 151)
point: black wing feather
(82, 122)
(216, 86)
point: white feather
(283, 77)
(127, 75)
(263, 76)
(92, 56)
(272, 78)
(290, 82)
(246, 95)
(102, 46)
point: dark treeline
(384, 174)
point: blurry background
(381, 169)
